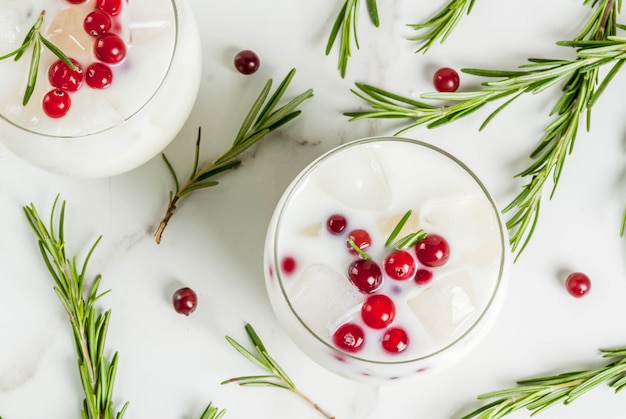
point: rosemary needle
(262, 118)
(97, 373)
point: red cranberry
(75, 1)
(98, 76)
(112, 7)
(446, 79)
(578, 284)
(361, 238)
(366, 275)
(432, 251)
(423, 276)
(336, 223)
(349, 337)
(288, 264)
(378, 311)
(395, 340)
(400, 265)
(110, 48)
(247, 62)
(56, 103)
(61, 76)
(185, 301)
(96, 23)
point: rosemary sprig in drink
(262, 119)
(97, 373)
(441, 24)
(37, 40)
(537, 394)
(277, 377)
(407, 241)
(596, 46)
(345, 29)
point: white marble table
(171, 366)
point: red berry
(349, 337)
(288, 265)
(98, 76)
(111, 7)
(336, 223)
(247, 62)
(395, 340)
(56, 103)
(423, 276)
(578, 284)
(400, 265)
(360, 238)
(365, 275)
(446, 79)
(96, 23)
(378, 311)
(185, 301)
(76, 1)
(63, 77)
(432, 251)
(110, 48)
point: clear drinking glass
(106, 131)
(373, 183)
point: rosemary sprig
(596, 46)
(37, 40)
(441, 24)
(277, 377)
(346, 28)
(409, 240)
(211, 412)
(538, 394)
(262, 119)
(97, 373)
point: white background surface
(171, 365)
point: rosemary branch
(37, 40)
(89, 327)
(538, 394)
(346, 25)
(277, 377)
(262, 119)
(596, 46)
(441, 24)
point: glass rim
(292, 188)
(138, 110)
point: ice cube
(324, 298)
(471, 227)
(357, 179)
(447, 307)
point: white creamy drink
(385, 311)
(151, 50)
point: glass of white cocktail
(386, 258)
(136, 74)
